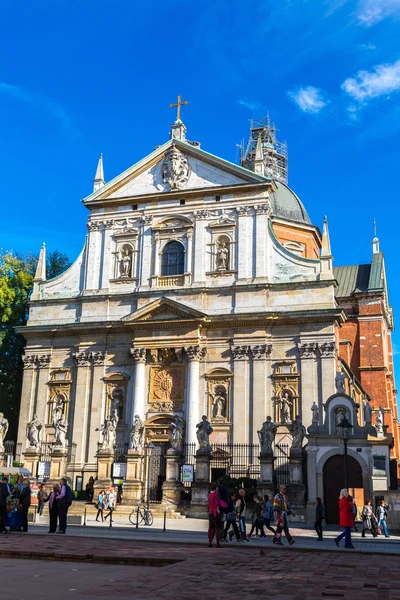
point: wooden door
(334, 481)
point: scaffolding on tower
(275, 153)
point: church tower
(263, 145)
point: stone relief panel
(167, 386)
(175, 169)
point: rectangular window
(217, 198)
(134, 206)
(182, 202)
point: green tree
(16, 281)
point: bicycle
(141, 515)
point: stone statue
(266, 435)
(58, 408)
(340, 415)
(285, 406)
(222, 256)
(315, 413)
(367, 412)
(125, 262)
(175, 434)
(117, 402)
(379, 421)
(60, 439)
(3, 430)
(339, 381)
(175, 170)
(109, 433)
(298, 432)
(219, 405)
(33, 431)
(137, 434)
(204, 430)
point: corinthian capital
(307, 350)
(243, 211)
(328, 349)
(138, 355)
(82, 359)
(196, 352)
(260, 351)
(239, 352)
(43, 360)
(98, 358)
(263, 209)
(29, 361)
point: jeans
(41, 507)
(346, 535)
(382, 524)
(242, 527)
(267, 523)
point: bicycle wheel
(135, 517)
(149, 518)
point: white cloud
(37, 99)
(309, 99)
(370, 12)
(253, 105)
(383, 80)
(367, 47)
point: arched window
(173, 259)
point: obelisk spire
(40, 274)
(326, 254)
(375, 241)
(98, 180)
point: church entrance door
(333, 474)
(157, 470)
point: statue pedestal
(133, 484)
(58, 465)
(266, 483)
(172, 486)
(105, 460)
(296, 487)
(31, 460)
(201, 486)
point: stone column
(328, 352)
(194, 354)
(146, 246)
(80, 405)
(244, 246)
(31, 459)
(266, 483)
(105, 459)
(201, 486)
(262, 211)
(139, 387)
(309, 388)
(199, 268)
(172, 486)
(258, 406)
(58, 465)
(240, 404)
(94, 408)
(133, 485)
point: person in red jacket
(346, 518)
(214, 515)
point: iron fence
(281, 465)
(235, 461)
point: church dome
(287, 205)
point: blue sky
(80, 78)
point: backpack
(68, 495)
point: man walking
(281, 503)
(241, 513)
(381, 514)
(64, 499)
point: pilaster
(240, 394)
(245, 240)
(146, 254)
(194, 354)
(139, 388)
(308, 380)
(257, 408)
(80, 404)
(199, 267)
(27, 395)
(328, 353)
(261, 255)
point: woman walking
(319, 516)
(100, 505)
(268, 514)
(24, 502)
(53, 508)
(42, 495)
(346, 519)
(369, 521)
(214, 516)
(231, 520)
(257, 519)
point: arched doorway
(333, 473)
(156, 431)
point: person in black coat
(24, 502)
(319, 516)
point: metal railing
(235, 461)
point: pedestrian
(24, 502)
(19, 486)
(354, 507)
(257, 519)
(90, 490)
(5, 480)
(214, 516)
(268, 514)
(319, 517)
(3, 505)
(64, 499)
(231, 521)
(346, 518)
(100, 505)
(281, 503)
(53, 507)
(42, 495)
(109, 503)
(381, 514)
(279, 527)
(369, 520)
(241, 513)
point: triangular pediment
(163, 309)
(195, 168)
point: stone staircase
(78, 508)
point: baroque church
(203, 288)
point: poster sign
(43, 469)
(187, 473)
(35, 487)
(119, 470)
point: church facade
(203, 288)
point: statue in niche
(117, 402)
(298, 432)
(219, 403)
(60, 436)
(109, 432)
(284, 402)
(340, 415)
(33, 431)
(339, 382)
(266, 435)
(204, 430)
(175, 434)
(3, 430)
(58, 408)
(175, 170)
(137, 434)
(315, 413)
(379, 421)
(125, 262)
(222, 256)
(367, 412)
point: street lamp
(149, 449)
(345, 429)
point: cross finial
(178, 105)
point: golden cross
(179, 104)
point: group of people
(226, 511)
(106, 500)
(59, 500)
(375, 522)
